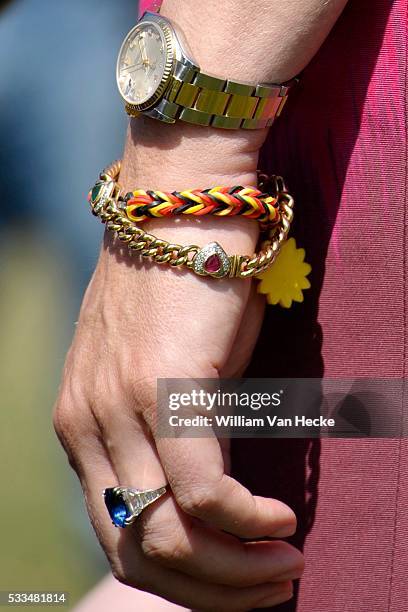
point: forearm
(228, 39)
(267, 40)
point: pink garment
(341, 144)
(149, 5)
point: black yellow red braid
(221, 201)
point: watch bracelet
(198, 98)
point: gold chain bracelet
(210, 260)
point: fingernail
(290, 575)
(284, 532)
(279, 596)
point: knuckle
(145, 387)
(158, 549)
(68, 407)
(64, 420)
(198, 501)
(63, 426)
(166, 546)
(143, 391)
(71, 418)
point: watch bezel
(170, 43)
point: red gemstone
(213, 264)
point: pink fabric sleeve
(341, 144)
(149, 5)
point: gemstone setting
(124, 504)
(212, 260)
(96, 192)
(101, 192)
(117, 507)
(213, 264)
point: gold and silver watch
(156, 76)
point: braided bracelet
(250, 202)
(210, 260)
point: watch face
(143, 63)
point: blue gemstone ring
(124, 504)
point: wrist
(182, 156)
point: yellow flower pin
(284, 281)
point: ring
(124, 504)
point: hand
(138, 322)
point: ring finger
(131, 566)
(169, 536)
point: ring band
(124, 504)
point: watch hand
(148, 65)
(132, 68)
(143, 51)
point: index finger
(195, 471)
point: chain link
(176, 255)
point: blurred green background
(61, 122)
(46, 540)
